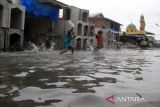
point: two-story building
(111, 29)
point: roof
(96, 15)
(113, 21)
(135, 33)
(53, 3)
(131, 26)
(140, 33)
(101, 16)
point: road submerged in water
(86, 79)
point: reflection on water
(52, 80)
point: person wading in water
(100, 40)
(67, 42)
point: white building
(83, 30)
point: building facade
(111, 29)
(12, 17)
(84, 31)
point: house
(111, 29)
(12, 17)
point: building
(11, 25)
(40, 19)
(111, 29)
(83, 29)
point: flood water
(86, 79)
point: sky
(124, 11)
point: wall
(99, 23)
(11, 23)
(61, 27)
(75, 14)
(1, 13)
(5, 14)
(107, 24)
(36, 29)
(16, 1)
(1, 39)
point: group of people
(70, 36)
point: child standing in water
(67, 41)
(100, 40)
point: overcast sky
(124, 11)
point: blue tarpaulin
(36, 9)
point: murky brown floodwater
(83, 80)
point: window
(79, 29)
(85, 17)
(66, 14)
